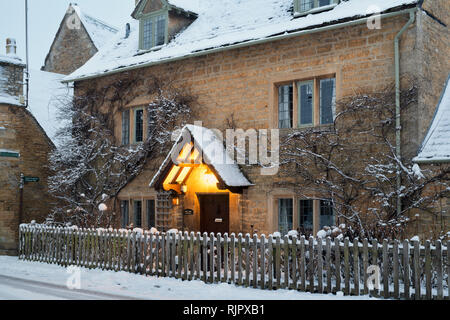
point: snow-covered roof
(7, 99)
(213, 153)
(99, 31)
(11, 59)
(436, 145)
(46, 92)
(221, 24)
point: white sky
(45, 17)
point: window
(285, 216)
(326, 214)
(124, 213)
(304, 6)
(138, 125)
(313, 104)
(126, 127)
(306, 105)
(285, 106)
(327, 100)
(151, 223)
(137, 212)
(153, 31)
(306, 217)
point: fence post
(219, 257)
(270, 262)
(356, 268)
(239, 252)
(385, 269)
(328, 266)
(347, 265)
(302, 264)
(286, 261)
(417, 271)
(198, 253)
(157, 256)
(375, 291)
(232, 258)
(440, 287)
(319, 265)
(262, 261)
(225, 258)
(191, 256)
(179, 254)
(337, 263)
(428, 293)
(247, 260)
(294, 262)
(277, 262)
(205, 257)
(396, 270)
(211, 252)
(185, 255)
(406, 269)
(255, 261)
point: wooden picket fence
(407, 270)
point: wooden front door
(214, 213)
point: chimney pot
(11, 47)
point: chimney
(11, 47)
(12, 71)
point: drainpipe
(398, 127)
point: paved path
(19, 289)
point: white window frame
(314, 9)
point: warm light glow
(175, 201)
(209, 177)
(183, 175)
(184, 188)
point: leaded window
(126, 127)
(306, 105)
(137, 212)
(327, 100)
(308, 5)
(285, 215)
(151, 214)
(153, 31)
(306, 216)
(139, 125)
(326, 214)
(285, 106)
(124, 213)
(147, 33)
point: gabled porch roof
(196, 146)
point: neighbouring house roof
(222, 24)
(213, 153)
(45, 96)
(99, 31)
(189, 6)
(436, 145)
(11, 59)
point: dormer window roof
(304, 7)
(155, 17)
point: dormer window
(153, 31)
(304, 7)
(159, 22)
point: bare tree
(353, 163)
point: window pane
(306, 103)
(124, 215)
(147, 34)
(326, 213)
(151, 214)
(306, 216)
(327, 100)
(126, 127)
(285, 216)
(160, 30)
(325, 2)
(285, 106)
(137, 214)
(306, 5)
(139, 126)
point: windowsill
(315, 10)
(144, 51)
(317, 128)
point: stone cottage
(24, 148)
(264, 64)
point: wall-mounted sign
(218, 220)
(188, 212)
(30, 179)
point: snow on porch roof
(214, 154)
(222, 24)
(436, 145)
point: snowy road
(20, 289)
(25, 280)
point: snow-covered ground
(34, 280)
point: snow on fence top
(221, 24)
(436, 145)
